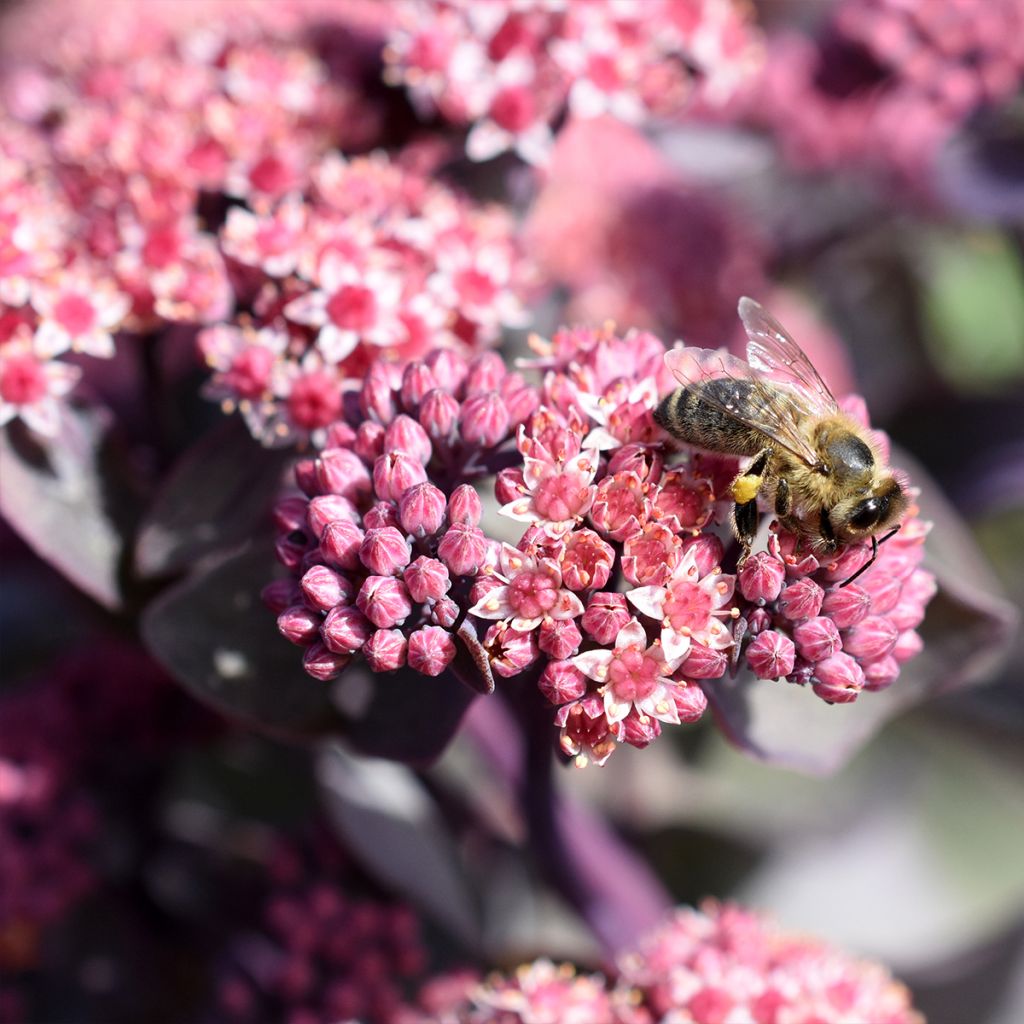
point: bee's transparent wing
(774, 354)
(775, 411)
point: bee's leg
(744, 493)
(783, 498)
(744, 524)
(874, 554)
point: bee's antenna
(874, 554)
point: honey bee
(818, 468)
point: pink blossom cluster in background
(886, 83)
(511, 70)
(614, 598)
(707, 966)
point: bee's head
(865, 515)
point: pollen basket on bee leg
(745, 488)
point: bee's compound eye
(867, 514)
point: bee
(818, 468)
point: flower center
(633, 674)
(687, 607)
(314, 401)
(475, 287)
(561, 497)
(532, 594)
(22, 381)
(250, 372)
(514, 109)
(353, 307)
(75, 313)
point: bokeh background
(866, 183)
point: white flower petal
(594, 664)
(648, 601)
(493, 605)
(631, 633)
(675, 644)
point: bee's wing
(775, 411)
(774, 354)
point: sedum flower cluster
(613, 591)
(718, 964)
(178, 173)
(510, 69)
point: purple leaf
(387, 818)
(967, 631)
(216, 495)
(212, 632)
(56, 495)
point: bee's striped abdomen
(688, 416)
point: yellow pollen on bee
(745, 489)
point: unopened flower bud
(520, 403)
(299, 625)
(846, 606)
(339, 544)
(906, 615)
(421, 510)
(704, 663)
(762, 576)
(640, 731)
(485, 373)
(771, 655)
(385, 650)
(384, 551)
(326, 508)
(290, 514)
(376, 397)
(394, 473)
(306, 478)
(341, 471)
(404, 434)
(426, 579)
(384, 601)
(758, 621)
(908, 645)
(340, 435)
(323, 588)
(801, 600)
(484, 420)
(884, 590)
(606, 614)
(838, 679)
(464, 506)
(817, 638)
(562, 681)
(690, 700)
(369, 443)
(381, 515)
(417, 380)
(444, 612)
(345, 630)
(448, 367)
(323, 664)
(439, 415)
(431, 650)
(462, 549)
(559, 638)
(707, 551)
(509, 485)
(291, 549)
(280, 594)
(874, 638)
(878, 675)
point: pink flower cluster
(719, 964)
(510, 69)
(182, 172)
(320, 953)
(888, 82)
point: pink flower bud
(339, 544)
(385, 650)
(377, 395)
(306, 478)
(326, 508)
(482, 586)
(417, 380)
(485, 373)
(345, 630)
(431, 650)
(448, 367)
(849, 561)
(586, 561)
(394, 473)
(606, 614)
(509, 485)
(801, 600)
(444, 612)
(640, 731)
(381, 515)
(758, 621)
(520, 403)
(771, 655)
(883, 588)
(484, 420)
(817, 639)
(299, 625)
(561, 682)
(280, 594)
(323, 588)
(421, 510)
(690, 700)
(439, 415)
(462, 549)
(704, 663)
(291, 549)
(369, 443)
(707, 550)
(839, 679)
(426, 579)
(846, 606)
(290, 514)
(323, 664)
(881, 674)
(404, 434)
(340, 435)
(920, 587)
(510, 650)
(907, 615)
(761, 578)
(384, 601)
(559, 638)
(908, 645)
(384, 551)
(341, 471)
(874, 638)
(464, 506)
